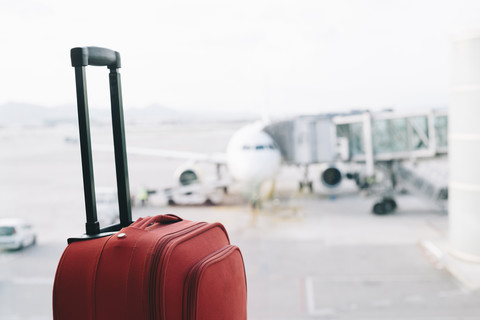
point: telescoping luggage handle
(95, 56)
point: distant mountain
(29, 114)
(156, 113)
(153, 113)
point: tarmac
(307, 256)
(312, 257)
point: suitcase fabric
(160, 267)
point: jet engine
(331, 177)
(192, 189)
(188, 175)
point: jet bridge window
(390, 135)
(354, 133)
(358, 146)
(400, 135)
(419, 132)
(441, 130)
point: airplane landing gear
(385, 206)
(305, 183)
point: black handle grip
(95, 56)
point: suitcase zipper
(159, 262)
(193, 280)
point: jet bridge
(376, 141)
(307, 140)
(390, 143)
(389, 136)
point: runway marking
(314, 310)
(376, 278)
(310, 298)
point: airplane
(252, 159)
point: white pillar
(464, 148)
(368, 144)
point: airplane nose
(254, 168)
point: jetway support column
(368, 144)
(464, 149)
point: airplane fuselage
(252, 156)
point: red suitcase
(158, 267)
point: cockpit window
(260, 147)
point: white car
(16, 234)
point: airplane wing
(216, 158)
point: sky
(286, 56)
